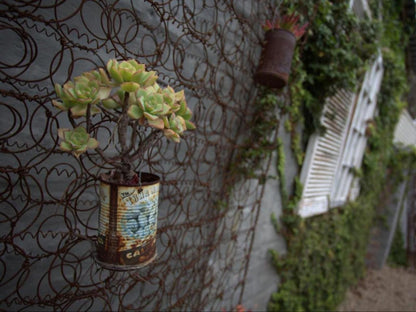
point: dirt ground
(388, 289)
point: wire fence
(49, 199)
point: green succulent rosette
(162, 109)
(86, 90)
(76, 141)
(148, 105)
(131, 75)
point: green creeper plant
(128, 96)
(325, 254)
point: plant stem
(144, 145)
(88, 118)
(122, 137)
(106, 159)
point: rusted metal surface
(50, 200)
(276, 59)
(128, 223)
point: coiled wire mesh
(49, 206)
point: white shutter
(352, 155)
(326, 173)
(323, 153)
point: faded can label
(137, 214)
(134, 221)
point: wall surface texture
(210, 255)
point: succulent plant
(131, 75)
(76, 141)
(86, 90)
(162, 109)
(288, 22)
(127, 94)
(148, 105)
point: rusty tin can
(127, 223)
(276, 59)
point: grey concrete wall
(45, 46)
(262, 278)
(384, 228)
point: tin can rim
(281, 31)
(147, 178)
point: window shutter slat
(344, 189)
(323, 155)
(327, 173)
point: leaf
(79, 110)
(61, 132)
(165, 121)
(187, 115)
(92, 143)
(59, 105)
(80, 151)
(58, 89)
(112, 68)
(65, 146)
(104, 77)
(95, 110)
(150, 116)
(190, 125)
(157, 123)
(135, 112)
(110, 103)
(182, 109)
(130, 86)
(103, 93)
(172, 135)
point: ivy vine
(326, 253)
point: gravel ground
(388, 289)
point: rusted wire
(49, 207)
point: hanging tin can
(128, 223)
(276, 59)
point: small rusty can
(276, 58)
(127, 223)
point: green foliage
(401, 167)
(260, 142)
(326, 253)
(325, 256)
(334, 56)
(280, 165)
(397, 256)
